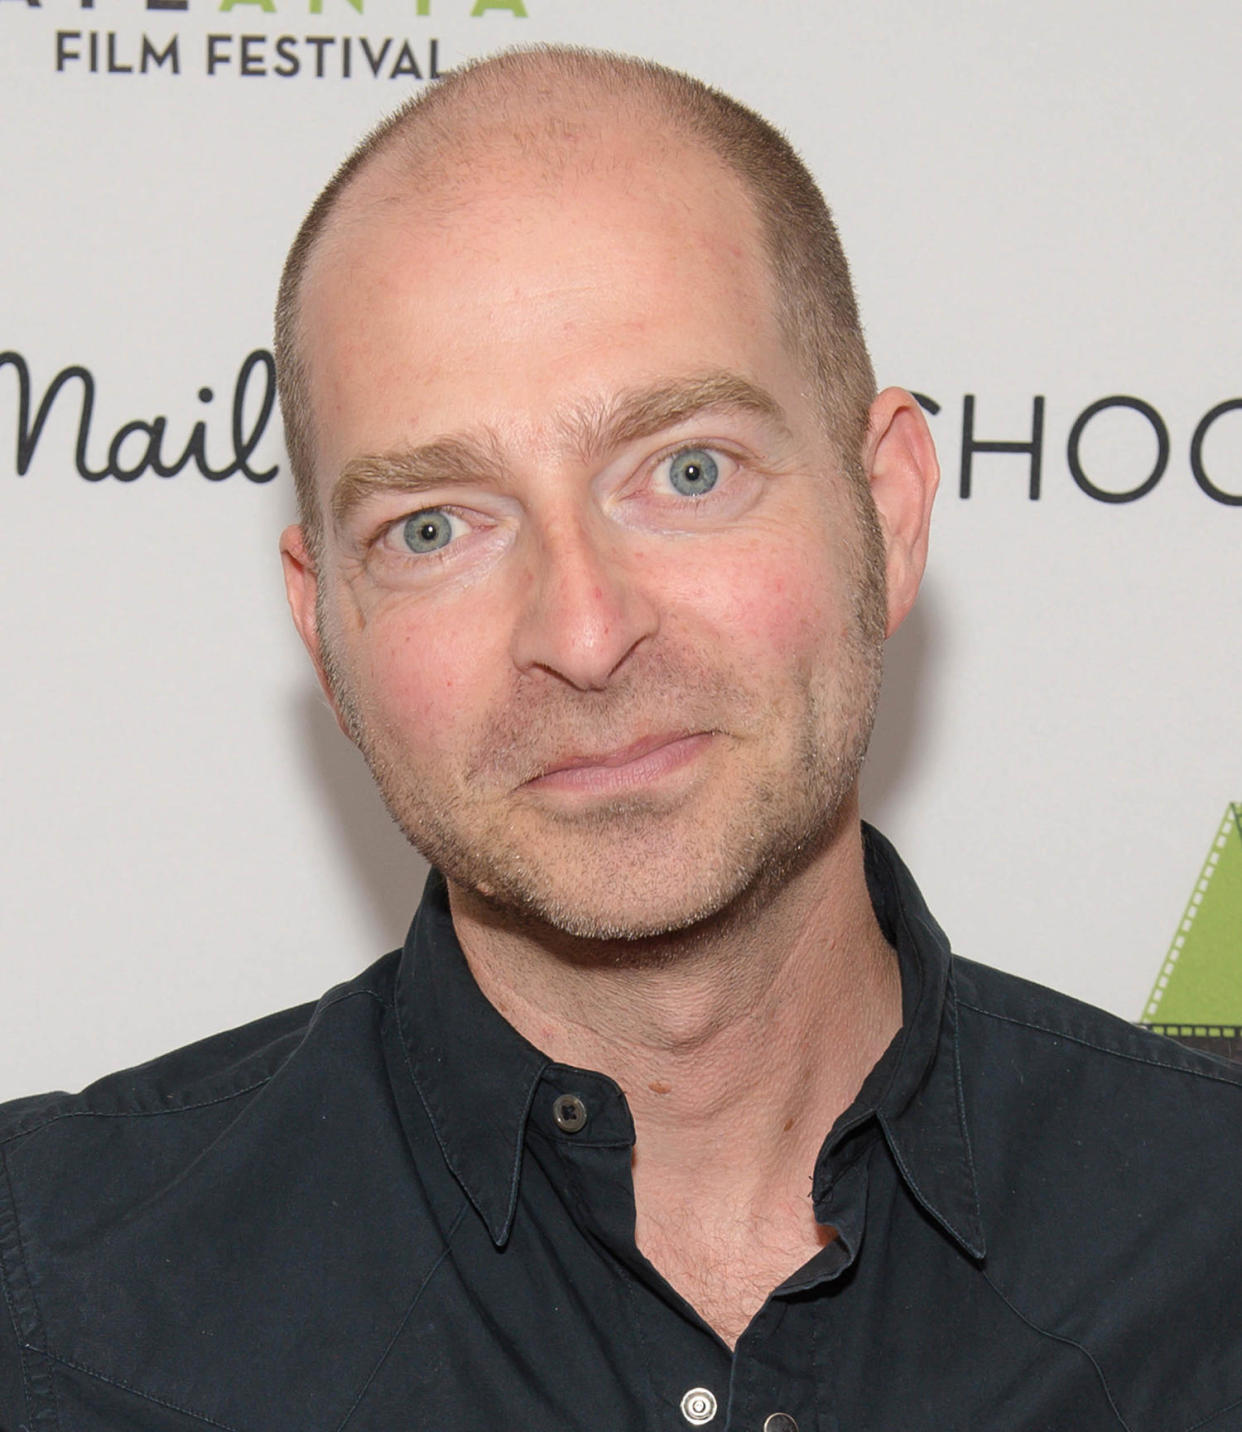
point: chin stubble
(556, 877)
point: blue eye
(693, 472)
(428, 530)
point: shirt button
(569, 1112)
(780, 1422)
(698, 1406)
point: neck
(736, 1047)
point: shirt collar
(476, 1077)
(915, 1091)
(474, 1073)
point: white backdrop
(1038, 200)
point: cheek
(772, 604)
(427, 679)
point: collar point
(973, 1244)
(500, 1233)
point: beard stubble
(642, 866)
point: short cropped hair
(817, 311)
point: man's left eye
(692, 472)
(427, 531)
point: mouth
(624, 767)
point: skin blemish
(659, 1087)
(789, 1123)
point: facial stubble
(634, 869)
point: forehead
(524, 289)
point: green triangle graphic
(1200, 982)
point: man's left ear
(899, 458)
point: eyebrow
(590, 429)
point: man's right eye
(428, 530)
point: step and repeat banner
(1041, 203)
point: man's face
(591, 587)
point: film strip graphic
(1197, 997)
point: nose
(583, 611)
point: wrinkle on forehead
(458, 199)
(494, 184)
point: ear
(899, 458)
(302, 589)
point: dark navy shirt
(365, 1216)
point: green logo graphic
(1197, 997)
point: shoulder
(210, 1179)
(77, 1161)
(1108, 1161)
(212, 1072)
(1091, 1096)
(999, 1011)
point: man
(674, 1111)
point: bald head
(543, 114)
